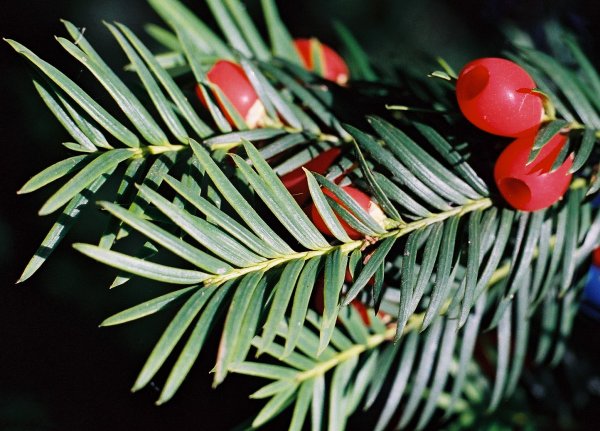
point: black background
(58, 370)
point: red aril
(234, 84)
(531, 187)
(497, 96)
(296, 182)
(361, 198)
(334, 66)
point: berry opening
(477, 78)
(517, 190)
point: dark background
(58, 370)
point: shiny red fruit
(296, 182)
(496, 96)
(361, 198)
(531, 187)
(234, 84)
(334, 66)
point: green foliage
(460, 281)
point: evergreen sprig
(455, 281)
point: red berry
(234, 84)
(334, 66)
(496, 96)
(596, 257)
(296, 182)
(531, 187)
(361, 198)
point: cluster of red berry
(233, 83)
(499, 97)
